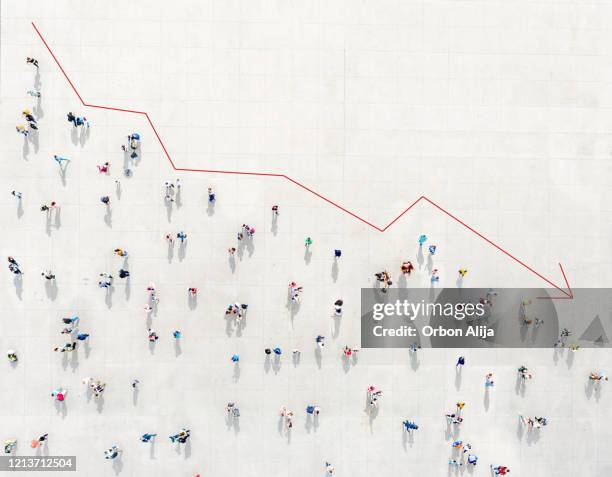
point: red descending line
(566, 294)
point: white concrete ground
(499, 112)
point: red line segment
(567, 294)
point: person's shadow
(520, 385)
(63, 166)
(48, 222)
(307, 255)
(58, 218)
(318, 356)
(42, 449)
(169, 209)
(61, 408)
(135, 393)
(407, 438)
(25, 151)
(592, 389)
(457, 377)
(276, 364)
(87, 348)
(170, 250)
(37, 109)
(308, 425)
(128, 287)
(118, 464)
(337, 320)
(108, 216)
(335, 270)
(108, 298)
(35, 140)
(533, 436)
(18, 282)
(414, 361)
(84, 135)
(429, 266)
(182, 250)
(100, 403)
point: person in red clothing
(407, 267)
(500, 470)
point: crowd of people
(73, 336)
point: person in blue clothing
(112, 453)
(81, 121)
(181, 436)
(147, 437)
(60, 159)
(71, 321)
(410, 426)
(133, 144)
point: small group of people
(455, 417)
(237, 310)
(534, 423)
(77, 121)
(133, 145)
(373, 395)
(14, 267)
(384, 279)
(295, 292)
(598, 376)
(466, 454)
(246, 231)
(287, 417)
(96, 386)
(524, 373)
